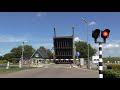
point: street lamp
(53, 52)
(22, 53)
(88, 65)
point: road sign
(77, 53)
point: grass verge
(10, 70)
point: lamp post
(88, 64)
(53, 52)
(22, 53)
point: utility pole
(88, 64)
(53, 44)
(53, 52)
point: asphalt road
(53, 71)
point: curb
(84, 68)
(41, 65)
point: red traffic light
(105, 34)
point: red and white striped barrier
(58, 59)
(64, 59)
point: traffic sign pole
(77, 57)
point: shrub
(113, 66)
(111, 59)
(4, 61)
(15, 60)
(109, 67)
(116, 67)
(111, 73)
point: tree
(1, 57)
(15, 53)
(43, 48)
(28, 51)
(8, 56)
(82, 48)
(49, 54)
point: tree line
(16, 52)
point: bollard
(32, 62)
(115, 62)
(38, 62)
(20, 65)
(8, 64)
(25, 62)
(81, 62)
(118, 62)
(71, 65)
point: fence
(29, 63)
(11, 65)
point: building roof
(44, 54)
(41, 54)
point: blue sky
(36, 28)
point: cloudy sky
(36, 29)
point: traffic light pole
(104, 35)
(100, 61)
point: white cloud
(42, 40)
(50, 39)
(9, 38)
(77, 39)
(92, 23)
(115, 41)
(108, 46)
(4, 51)
(111, 48)
(95, 46)
(25, 41)
(39, 14)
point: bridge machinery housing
(64, 48)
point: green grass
(10, 70)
